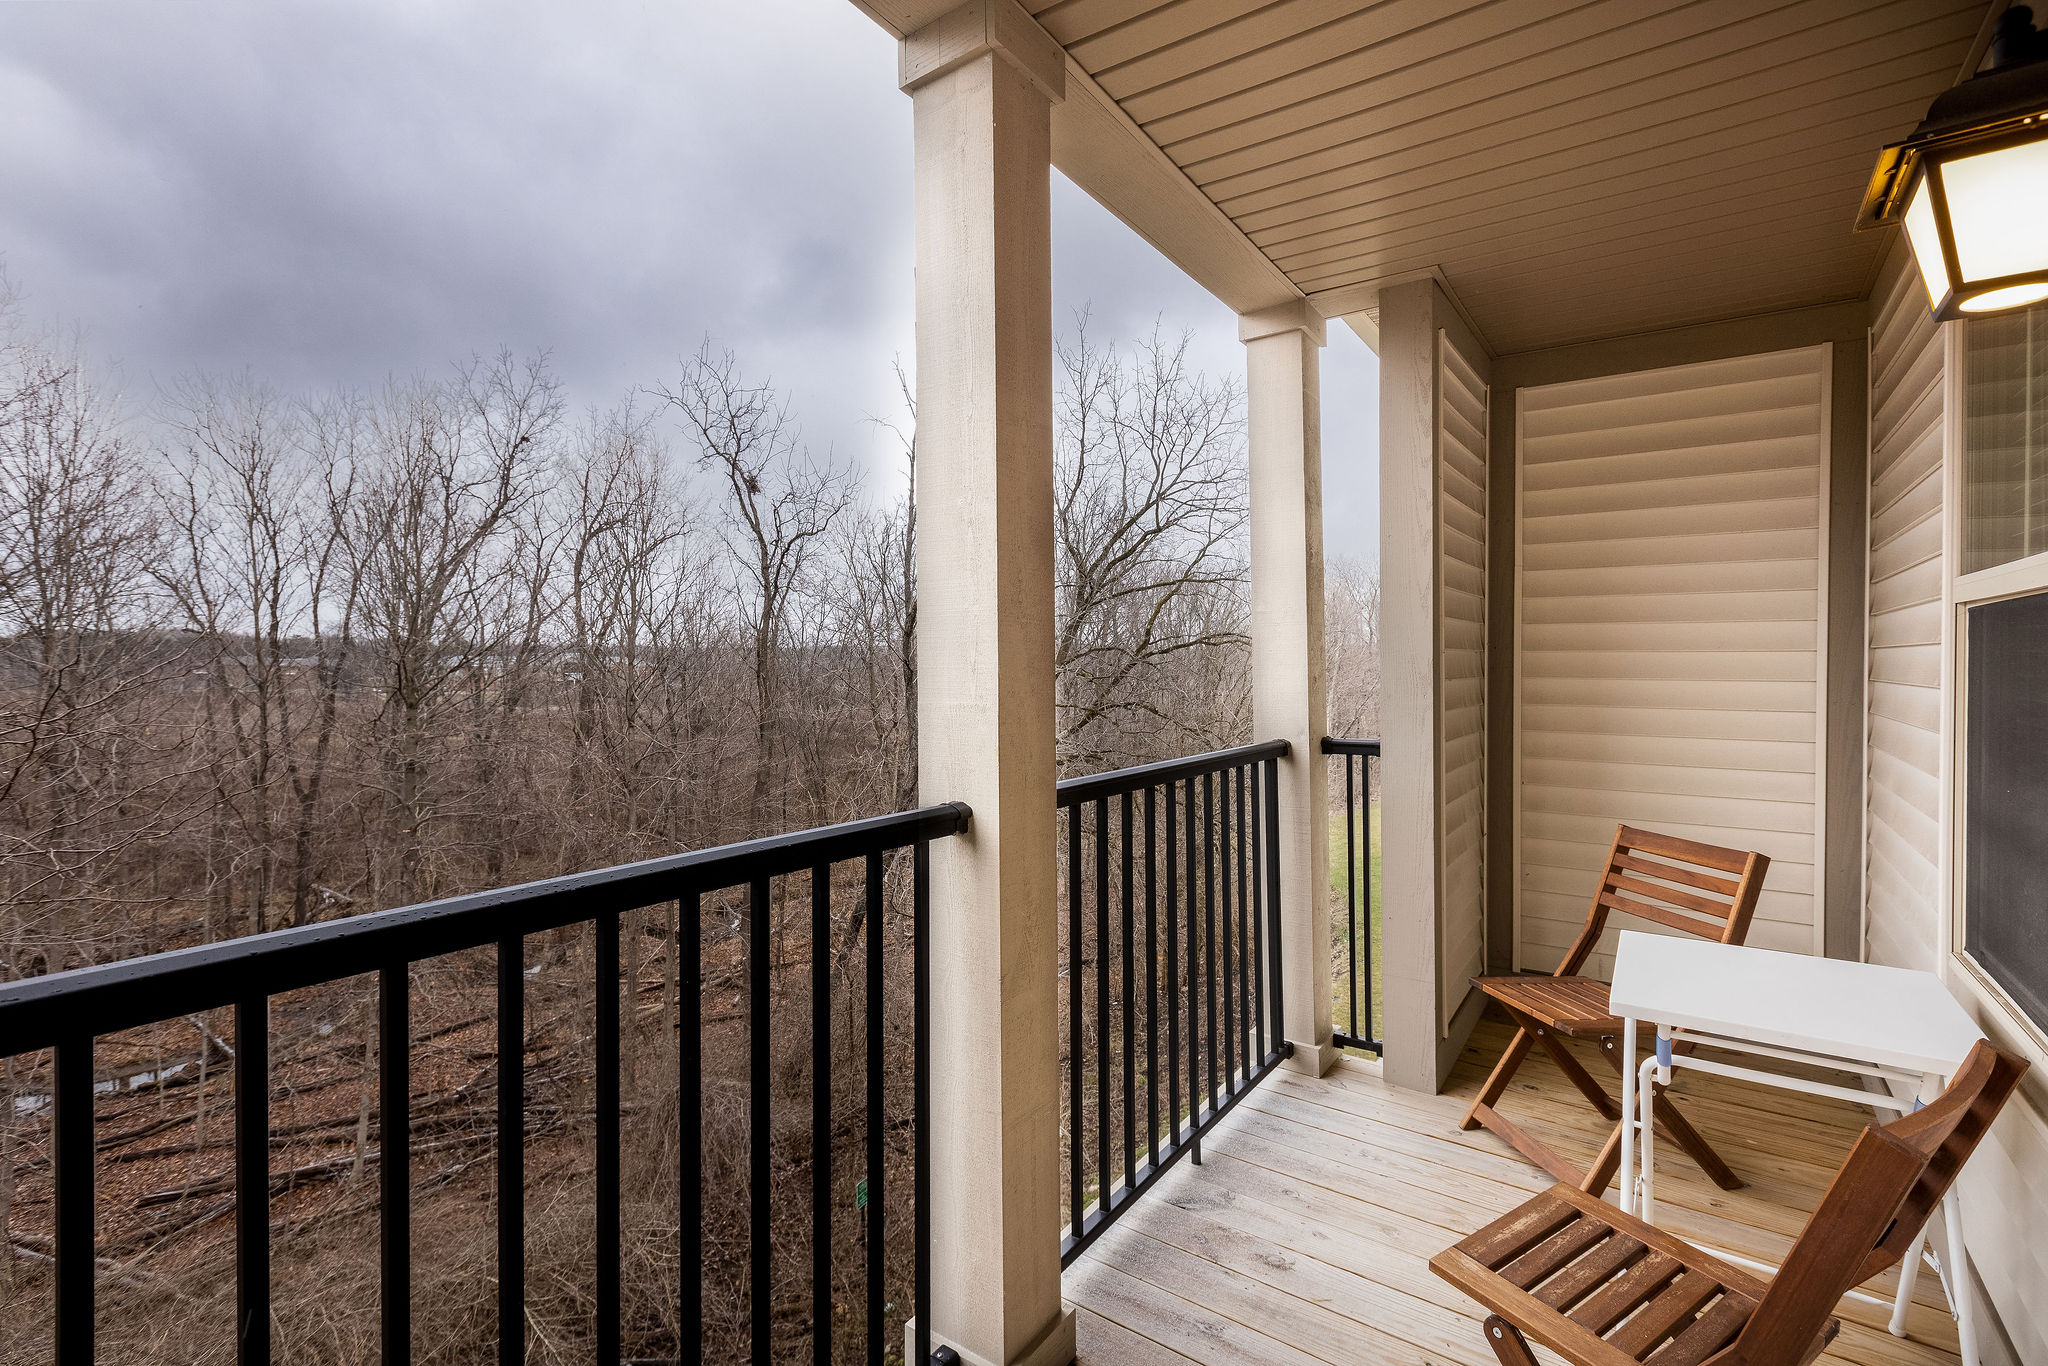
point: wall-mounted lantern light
(1971, 184)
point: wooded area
(268, 659)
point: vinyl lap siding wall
(1668, 630)
(1903, 742)
(1461, 627)
(2005, 1187)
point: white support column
(984, 78)
(1289, 693)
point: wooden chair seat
(1571, 1005)
(1603, 1287)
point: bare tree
(453, 464)
(235, 501)
(779, 505)
(1351, 616)
(1149, 520)
(877, 580)
(76, 539)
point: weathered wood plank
(1306, 1233)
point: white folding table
(1888, 1023)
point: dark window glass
(2006, 815)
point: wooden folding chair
(1603, 1288)
(1701, 889)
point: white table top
(1892, 1017)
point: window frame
(2025, 577)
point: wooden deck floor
(1304, 1236)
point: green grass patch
(1365, 872)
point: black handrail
(1210, 824)
(1075, 791)
(1357, 757)
(67, 1010)
(37, 1012)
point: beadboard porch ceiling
(1573, 170)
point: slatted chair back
(1873, 1211)
(1700, 889)
(1946, 1131)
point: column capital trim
(1297, 316)
(981, 26)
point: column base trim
(1313, 1059)
(1055, 1346)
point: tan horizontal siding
(1668, 629)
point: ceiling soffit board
(1097, 146)
(1567, 169)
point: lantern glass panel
(1926, 239)
(1998, 210)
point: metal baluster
(1173, 974)
(1209, 925)
(921, 1071)
(878, 1122)
(394, 1160)
(1350, 894)
(821, 1115)
(1365, 843)
(1151, 986)
(1076, 1004)
(606, 1164)
(1190, 836)
(72, 1148)
(1244, 920)
(690, 1118)
(1129, 1016)
(760, 1284)
(1102, 1101)
(511, 1151)
(1224, 860)
(252, 1181)
(1254, 822)
(1273, 900)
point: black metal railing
(1173, 910)
(65, 1012)
(1355, 932)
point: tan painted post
(1289, 694)
(1408, 655)
(983, 79)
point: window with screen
(2005, 439)
(2005, 832)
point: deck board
(1304, 1235)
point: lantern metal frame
(2005, 106)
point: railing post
(252, 1181)
(1288, 690)
(983, 79)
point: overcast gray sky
(330, 193)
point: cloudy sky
(331, 193)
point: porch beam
(983, 79)
(1289, 692)
(1101, 149)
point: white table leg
(1646, 1094)
(1955, 1276)
(1909, 1278)
(1628, 1116)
